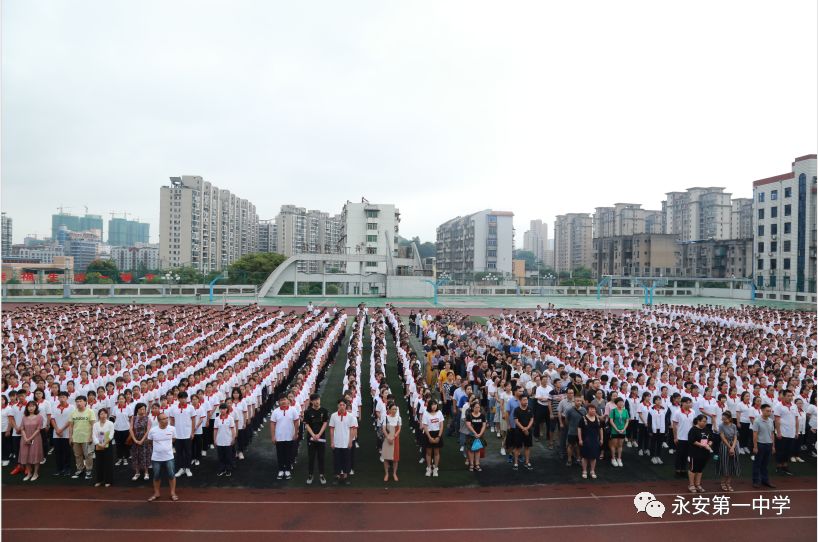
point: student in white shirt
(162, 436)
(343, 430)
(60, 437)
(432, 426)
(200, 418)
(122, 414)
(657, 429)
(786, 429)
(183, 417)
(224, 435)
(102, 433)
(284, 428)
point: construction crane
(62, 208)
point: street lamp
(442, 279)
(170, 277)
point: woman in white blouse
(101, 435)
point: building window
(371, 250)
(372, 225)
(761, 214)
(371, 264)
(772, 281)
(773, 229)
(786, 263)
(760, 264)
(773, 246)
(761, 246)
(760, 281)
(773, 195)
(371, 238)
(773, 263)
(370, 213)
(761, 230)
(788, 192)
(491, 265)
(787, 246)
(491, 242)
(761, 197)
(773, 212)
(787, 209)
(787, 227)
(492, 230)
(492, 253)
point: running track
(598, 510)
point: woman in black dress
(590, 440)
(700, 446)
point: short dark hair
(81, 397)
(314, 396)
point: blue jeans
(760, 475)
(490, 413)
(168, 466)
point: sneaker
(659, 461)
(212, 447)
(146, 477)
(188, 473)
(664, 445)
(220, 473)
(322, 479)
(434, 471)
(309, 480)
(614, 463)
(502, 451)
(42, 462)
(27, 477)
(357, 445)
(420, 460)
(462, 448)
(515, 466)
(118, 462)
(18, 469)
(671, 451)
(204, 453)
(124, 462)
(58, 473)
(529, 466)
(287, 474)
(88, 476)
(34, 478)
(509, 459)
(180, 472)
(428, 471)
(240, 455)
(280, 475)
(653, 460)
(352, 472)
(641, 453)
(799, 459)
(647, 452)
(5, 462)
(74, 476)
(752, 458)
(228, 474)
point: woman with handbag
(476, 423)
(101, 435)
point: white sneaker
(420, 460)
(671, 451)
(322, 480)
(752, 458)
(664, 445)
(653, 460)
(212, 447)
(204, 453)
(280, 474)
(793, 460)
(614, 463)
(659, 460)
(799, 459)
(741, 451)
(118, 462)
(502, 451)
(42, 462)
(428, 471)
(647, 452)
(309, 480)
(352, 472)
(124, 462)
(5, 462)
(434, 471)
(240, 455)
(640, 453)
(180, 472)
(288, 474)
(462, 448)
(188, 473)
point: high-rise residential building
(267, 236)
(536, 239)
(625, 219)
(698, 213)
(76, 223)
(203, 226)
(715, 258)
(84, 247)
(573, 242)
(637, 255)
(132, 258)
(127, 233)
(299, 231)
(741, 226)
(784, 223)
(369, 228)
(41, 254)
(476, 243)
(6, 234)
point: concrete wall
(408, 287)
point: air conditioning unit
(775, 237)
(770, 253)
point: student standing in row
(183, 417)
(763, 429)
(81, 424)
(619, 420)
(432, 425)
(343, 430)
(60, 421)
(316, 419)
(224, 436)
(141, 448)
(162, 435)
(728, 464)
(390, 450)
(284, 428)
(700, 446)
(102, 435)
(31, 443)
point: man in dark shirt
(524, 420)
(315, 423)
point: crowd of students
(698, 383)
(152, 389)
(155, 390)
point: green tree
(105, 268)
(188, 275)
(95, 277)
(529, 257)
(254, 268)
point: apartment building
(573, 242)
(475, 243)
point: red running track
(347, 514)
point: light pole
(442, 279)
(170, 277)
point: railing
(125, 290)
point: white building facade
(477, 243)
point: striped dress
(727, 465)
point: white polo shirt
(16, 411)
(61, 417)
(786, 416)
(122, 416)
(162, 442)
(342, 426)
(182, 419)
(225, 426)
(285, 423)
(683, 421)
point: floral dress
(141, 453)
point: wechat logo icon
(646, 502)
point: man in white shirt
(343, 430)
(162, 436)
(183, 416)
(786, 428)
(284, 429)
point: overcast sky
(443, 108)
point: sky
(443, 108)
